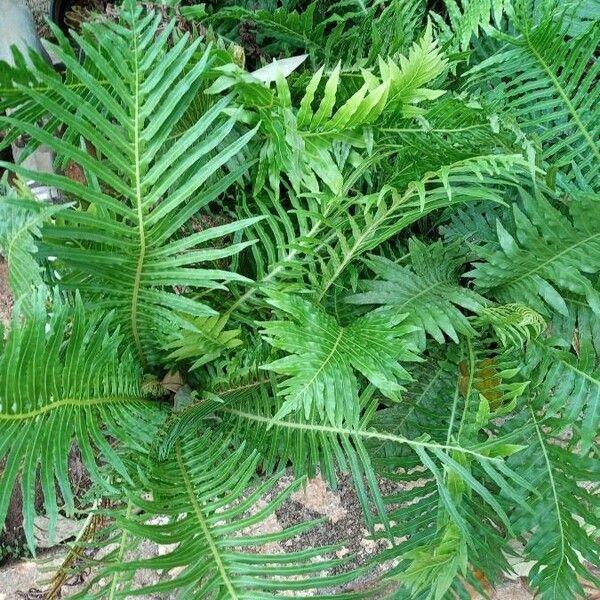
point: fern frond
(322, 357)
(544, 254)
(428, 290)
(65, 377)
(569, 383)
(446, 533)
(561, 76)
(20, 224)
(209, 502)
(513, 324)
(121, 244)
(322, 119)
(464, 20)
(383, 215)
(203, 340)
(297, 29)
(561, 528)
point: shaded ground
(5, 297)
(343, 524)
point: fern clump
(370, 248)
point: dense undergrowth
(366, 238)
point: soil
(5, 297)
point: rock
(65, 530)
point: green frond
(569, 383)
(560, 530)
(203, 504)
(544, 254)
(465, 18)
(65, 378)
(329, 117)
(427, 290)
(548, 86)
(323, 357)
(20, 223)
(446, 533)
(247, 408)
(120, 245)
(381, 216)
(203, 340)
(350, 32)
(291, 28)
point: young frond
(513, 324)
(203, 340)
(302, 143)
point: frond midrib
(138, 198)
(357, 433)
(204, 525)
(77, 402)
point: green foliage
(429, 291)
(323, 357)
(55, 393)
(310, 237)
(546, 255)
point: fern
(375, 255)
(561, 76)
(429, 291)
(321, 371)
(547, 254)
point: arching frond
(381, 216)
(65, 377)
(548, 86)
(209, 503)
(447, 534)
